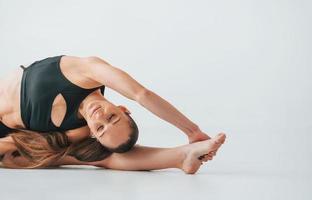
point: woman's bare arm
(120, 81)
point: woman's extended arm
(118, 80)
(168, 112)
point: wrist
(192, 130)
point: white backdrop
(242, 67)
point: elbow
(142, 95)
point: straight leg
(145, 158)
(153, 158)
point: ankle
(181, 155)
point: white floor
(247, 167)
(227, 182)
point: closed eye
(111, 116)
(117, 120)
(100, 128)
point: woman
(53, 112)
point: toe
(213, 153)
(223, 137)
(218, 140)
(206, 157)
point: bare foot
(194, 151)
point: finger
(213, 153)
(206, 158)
(202, 156)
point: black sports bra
(4, 130)
(41, 82)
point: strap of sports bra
(22, 66)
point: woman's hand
(198, 136)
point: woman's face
(108, 123)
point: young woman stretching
(54, 113)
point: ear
(124, 109)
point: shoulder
(83, 62)
(84, 65)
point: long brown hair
(44, 149)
